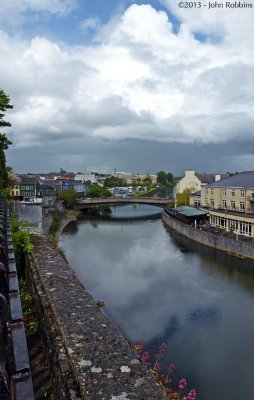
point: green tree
(162, 178)
(4, 141)
(113, 181)
(98, 191)
(183, 199)
(69, 197)
(170, 178)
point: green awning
(189, 211)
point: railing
(17, 384)
(220, 208)
(115, 200)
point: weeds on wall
(21, 242)
(28, 308)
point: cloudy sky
(128, 85)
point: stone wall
(229, 245)
(89, 358)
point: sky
(135, 86)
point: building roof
(241, 180)
(189, 211)
(209, 178)
(196, 193)
(28, 181)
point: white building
(193, 180)
(85, 177)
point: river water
(162, 287)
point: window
(233, 193)
(241, 193)
(242, 207)
(245, 228)
(224, 192)
(206, 201)
(212, 202)
(206, 191)
(224, 204)
(232, 205)
(231, 225)
(212, 192)
(27, 187)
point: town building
(15, 190)
(195, 199)
(28, 188)
(85, 177)
(129, 178)
(194, 181)
(231, 203)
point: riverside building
(231, 203)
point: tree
(69, 197)
(162, 178)
(4, 141)
(98, 191)
(183, 199)
(165, 179)
(113, 181)
(170, 178)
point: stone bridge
(153, 201)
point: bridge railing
(148, 200)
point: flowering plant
(162, 380)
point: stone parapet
(89, 358)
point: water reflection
(164, 288)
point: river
(162, 287)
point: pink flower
(163, 347)
(171, 368)
(145, 356)
(157, 366)
(192, 395)
(182, 384)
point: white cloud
(14, 11)
(141, 80)
(225, 19)
(89, 24)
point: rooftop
(241, 180)
(210, 178)
(189, 211)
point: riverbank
(147, 193)
(236, 248)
